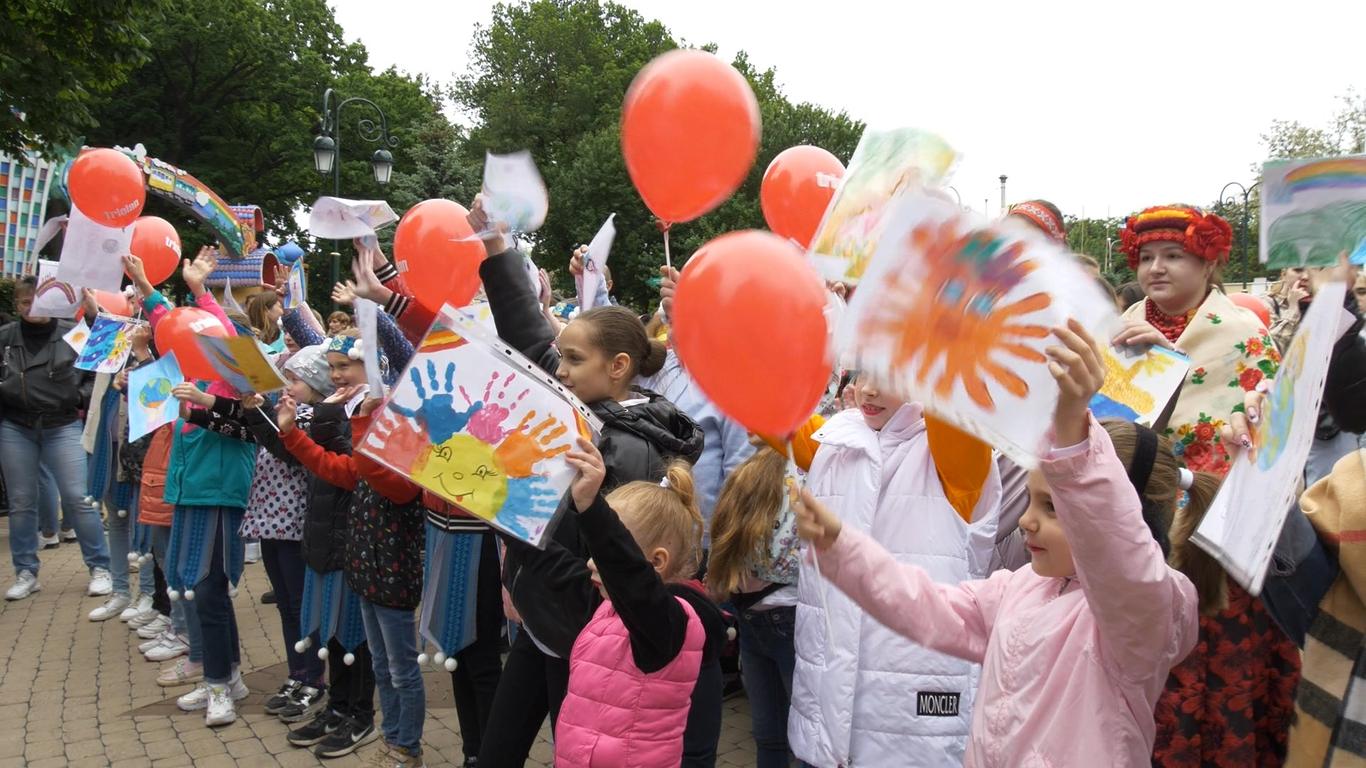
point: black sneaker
(283, 697)
(349, 736)
(306, 702)
(320, 727)
(268, 598)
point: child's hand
(343, 394)
(281, 280)
(493, 233)
(1076, 366)
(344, 293)
(576, 261)
(368, 285)
(547, 295)
(197, 271)
(588, 461)
(285, 414)
(1241, 431)
(253, 400)
(186, 392)
(369, 405)
(121, 380)
(815, 523)
(668, 286)
(132, 266)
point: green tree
(550, 75)
(60, 60)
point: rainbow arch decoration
(1313, 210)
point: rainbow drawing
(180, 188)
(1333, 173)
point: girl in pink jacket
(1076, 649)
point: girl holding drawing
(1074, 649)
(597, 357)
(1230, 701)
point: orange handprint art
(946, 306)
(523, 448)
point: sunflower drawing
(943, 313)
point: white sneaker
(143, 618)
(221, 708)
(167, 650)
(147, 645)
(155, 627)
(101, 583)
(68, 534)
(144, 603)
(49, 542)
(111, 608)
(252, 552)
(24, 585)
(194, 700)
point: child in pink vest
(1075, 649)
(644, 674)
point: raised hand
(344, 293)
(367, 285)
(588, 461)
(438, 411)
(525, 446)
(492, 233)
(815, 522)
(668, 287)
(197, 271)
(281, 280)
(132, 266)
(576, 261)
(1076, 367)
(547, 296)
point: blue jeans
(184, 617)
(285, 569)
(147, 582)
(766, 662)
(48, 504)
(217, 621)
(22, 453)
(392, 636)
(119, 532)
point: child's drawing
(884, 164)
(107, 347)
(242, 363)
(77, 336)
(296, 287)
(1312, 210)
(514, 192)
(1138, 388)
(53, 297)
(482, 427)
(150, 404)
(957, 314)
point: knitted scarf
(451, 589)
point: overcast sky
(1102, 107)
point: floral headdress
(1203, 234)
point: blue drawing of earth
(154, 393)
(1105, 408)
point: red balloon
(157, 243)
(176, 333)
(689, 132)
(749, 325)
(107, 187)
(114, 303)
(797, 189)
(438, 254)
(1255, 305)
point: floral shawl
(1230, 354)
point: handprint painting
(482, 427)
(956, 314)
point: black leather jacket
(42, 390)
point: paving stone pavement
(77, 693)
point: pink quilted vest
(614, 715)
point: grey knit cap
(310, 365)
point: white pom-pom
(322, 653)
(133, 558)
(439, 659)
(301, 646)
(730, 633)
(123, 513)
(349, 659)
(232, 592)
(423, 658)
(144, 559)
(89, 500)
(450, 664)
(189, 594)
(172, 595)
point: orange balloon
(157, 243)
(176, 333)
(1256, 305)
(797, 189)
(689, 132)
(114, 303)
(749, 325)
(438, 254)
(107, 186)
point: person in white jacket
(862, 695)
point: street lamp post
(327, 148)
(1224, 202)
(1109, 251)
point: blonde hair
(1163, 489)
(665, 516)
(743, 519)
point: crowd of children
(903, 595)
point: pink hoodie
(1071, 668)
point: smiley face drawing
(467, 472)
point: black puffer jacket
(325, 520)
(551, 587)
(45, 389)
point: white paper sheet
(367, 320)
(92, 254)
(594, 261)
(514, 192)
(338, 218)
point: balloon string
(668, 260)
